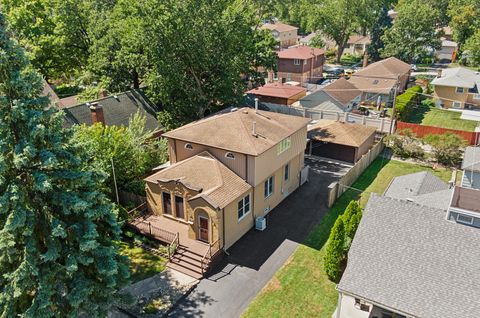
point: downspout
(223, 231)
(339, 305)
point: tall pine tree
(57, 252)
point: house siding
(446, 94)
(234, 228)
(453, 217)
(471, 180)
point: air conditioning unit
(260, 224)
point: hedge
(406, 102)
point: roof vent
(375, 82)
(256, 104)
(254, 129)
(410, 200)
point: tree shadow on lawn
(319, 235)
(418, 114)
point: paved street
(255, 258)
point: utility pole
(393, 106)
(114, 180)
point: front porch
(192, 257)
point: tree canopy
(57, 252)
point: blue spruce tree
(57, 232)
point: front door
(203, 229)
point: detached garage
(340, 141)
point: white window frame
(460, 90)
(286, 172)
(296, 61)
(465, 216)
(456, 105)
(230, 155)
(269, 183)
(244, 207)
(476, 96)
(188, 146)
(284, 145)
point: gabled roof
(409, 258)
(373, 84)
(215, 183)
(389, 68)
(278, 26)
(302, 52)
(340, 133)
(471, 159)
(117, 110)
(343, 91)
(458, 77)
(233, 130)
(359, 39)
(407, 186)
(277, 90)
(321, 100)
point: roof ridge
(383, 197)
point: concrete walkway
(257, 256)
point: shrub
(405, 144)
(351, 219)
(406, 102)
(447, 149)
(335, 252)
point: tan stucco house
(457, 88)
(285, 34)
(226, 171)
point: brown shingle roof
(342, 90)
(300, 52)
(280, 27)
(359, 39)
(340, 133)
(390, 68)
(233, 130)
(217, 184)
(277, 90)
(373, 84)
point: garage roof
(340, 133)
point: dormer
(465, 207)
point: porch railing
(212, 250)
(172, 247)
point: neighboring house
(115, 110)
(380, 79)
(407, 260)
(340, 141)
(457, 88)
(302, 64)
(447, 52)
(357, 44)
(285, 34)
(226, 171)
(278, 93)
(50, 93)
(465, 207)
(471, 168)
(340, 96)
(307, 39)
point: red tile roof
(277, 90)
(300, 52)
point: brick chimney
(365, 59)
(97, 113)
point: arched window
(188, 146)
(229, 155)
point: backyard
(301, 288)
(142, 263)
(432, 116)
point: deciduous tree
(57, 232)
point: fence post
(338, 116)
(345, 117)
(321, 114)
(382, 124)
(364, 120)
(150, 228)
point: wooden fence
(336, 189)
(129, 198)
(422, 130)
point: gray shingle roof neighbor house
(117, 110)
(407, 258)
(422, 187)
(458, 77)
(471, 159)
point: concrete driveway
(257, 256)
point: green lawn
(432, 116)
(142, 263)
(301, 288)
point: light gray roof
(321, 100)
(471, 159)
(407, 186)
(409, 258)
(458, 77)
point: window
(465, 219)
(283, 145)
(230, 155)
(456, 104)
(476, 96)
(304, 62)
(268, 190)
(296, 62)
(188, 146)
(286, 172)
(289, 77)
(460, 90)
(179, 211)
(167, 203)
(243, 207)
(275, 76)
